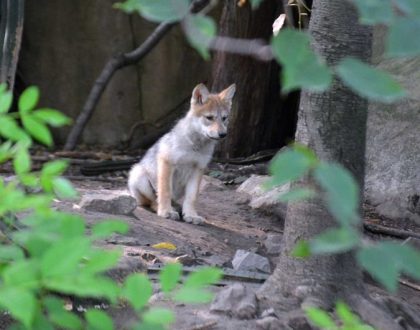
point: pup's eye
(224, 118)
(210, 117)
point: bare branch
(256, 48)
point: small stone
(109, 202)
(269, 323)
(245, 260)
(186, 260)
(268, 312)
(272, 243)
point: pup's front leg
(189, 213)
(164, 190)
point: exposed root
(406, 315)
(375, 313)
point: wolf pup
(172, 168)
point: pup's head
(212, 110)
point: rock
(236, 300)
(111, 202)
(269, 323)
(272, 243)
(261, 199)
(392, 181)
(396, 210)
(245, 260)
(125, 267)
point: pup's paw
(170, 214)
(196, 219)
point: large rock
(263, 199)
(393, 143)
(236, 300)
(249, 261)
(111, 202)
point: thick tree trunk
(260, 119)
(333, 124)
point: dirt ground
(231, 225)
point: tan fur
(172, 169)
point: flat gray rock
(262, 199)
(249, 261)
(111, 202)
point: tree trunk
(333, 124)
(260, 118)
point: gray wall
(65, 46)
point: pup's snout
(222, 135)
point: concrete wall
(66, 44)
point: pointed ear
(200, 94)
(228, 93)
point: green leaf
(63, 188)
(344, 313)
(369, 82)
(373, 12)
(59, 316)
(63, 257)
(302, 68)
(23, 273)
(342, 193)
(203, 277)
(335, 241)
(6, 100)
(100, 261)
(98, 320)
(10, 253)
(255, 3)
(85, 285)
(297, 195)
(29, 180)
(402, 38)
(169, 276)
(22, 161)
(291, 165)
(28, 100)
(200, 30)
(11, 130)
(109, 227)
(301, 249)
(380, 266)
(55, 167)
(157, 315)
(157, 10)
(37, 129)
(51, 117)
(138, 290)
(409, 7)
(5, 151)
(320, 318)
(192, 295)
(20, 303)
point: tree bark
(260, 118)
(333, 124)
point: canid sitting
(172, 168)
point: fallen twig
(378, 229)
(204, 326)
(230, 274)
(409, 284)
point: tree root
(383, 313)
